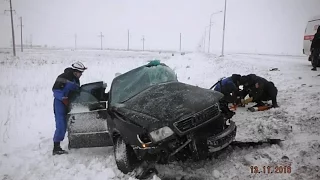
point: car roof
(150, 64)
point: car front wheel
(125, 157)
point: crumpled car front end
(174, 142)
(193, 129)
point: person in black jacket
(65, 83)
(315, 50)
(259, 89)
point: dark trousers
(315, 57)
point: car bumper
(223, 139)
(215, 143)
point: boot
(57, 150)
(314, 69)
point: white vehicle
(310, 30)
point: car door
(310, 30)
(87, 117)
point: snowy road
(27, 122)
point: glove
(233, 107)
(65, 101)
(246, 101)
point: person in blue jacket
(65, 83)
(229, 87)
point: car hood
(168, 102)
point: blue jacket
(228, 86)
(65, 83)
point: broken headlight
(161, 134)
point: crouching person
(229, 87)
(62, 88)
(259, 89)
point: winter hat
(78, 66)
(243, 80)
(236, 77)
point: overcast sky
(264, 26)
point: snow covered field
(27, 121)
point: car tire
(125, 157)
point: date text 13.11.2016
(270, 169)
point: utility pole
(101, 36)
(75, 41)
(128, 40)
(31, 41)
(26, 42)
(204, 43)
(12, 29)
(21, 34)
(180, 42)
(143, 39)
(204, 39)
(224, 27)
(209, 36)
(210, 29)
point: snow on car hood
(169, 102)
(78, 108)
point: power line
(12, 29)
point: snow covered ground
(27, 121)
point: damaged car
(148, 115)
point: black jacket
(264, 86)
(316, 40)
(67, 75)
(249, 85)
(65, 84)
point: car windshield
(131, 83)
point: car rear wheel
(125, 157)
